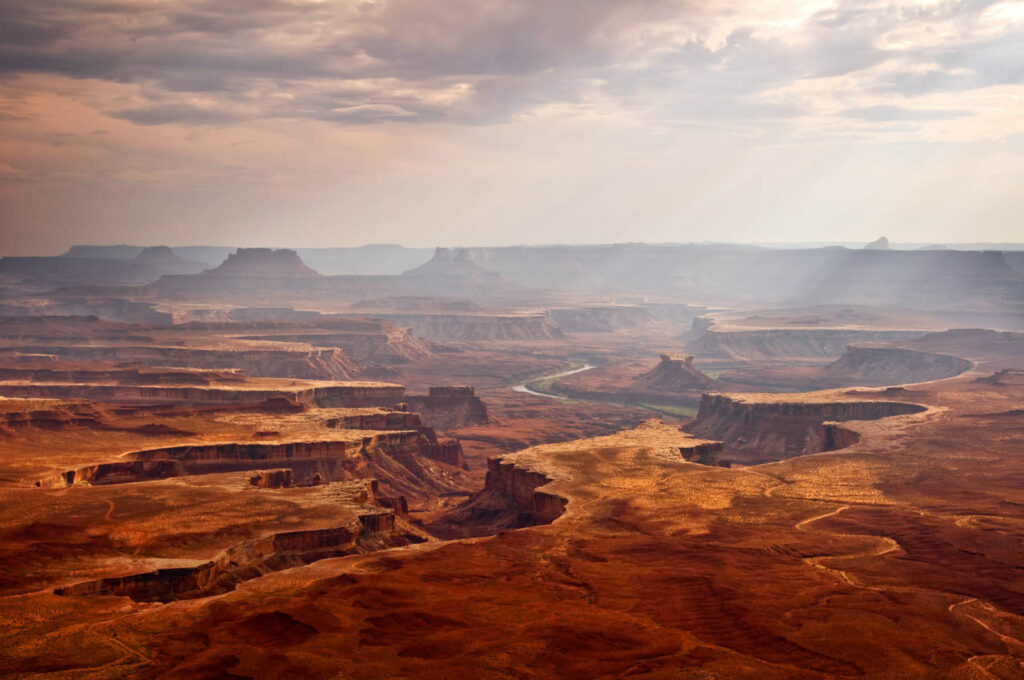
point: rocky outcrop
(518, 487)
(378, 522)
(705, 453)
(448, 451)
(278, 478)
(71, 415)
(450, 407)
(835, 437)
(769, 428)
(116, 473)
(381, 420)
(674, 373)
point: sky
(319, 123)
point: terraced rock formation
(763, 427)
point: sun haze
(508, 121)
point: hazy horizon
(331, 124)
(801, 245)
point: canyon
(569, 461)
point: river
(523, 387)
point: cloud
(898, 113)
(175, 113)
(369, 61)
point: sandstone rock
(278, 478)
(675, 373)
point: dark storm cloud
(478, 62)
(175, 113)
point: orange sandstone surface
(898, 556)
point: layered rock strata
(449, 408)
(770, 428)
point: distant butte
(264, 263)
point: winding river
(523, 387)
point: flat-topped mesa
(340, 395)
(877, 366)
(369, 342)
(394, 446)
(477, 327)
(263, 263)
(302, 362)
(381, 420)
(160, 256)
(450, 407)
(675, 373)
(776, 343)
(122, 376)
(600, 319)
(370, 530)
(311, 461)
(760, 428)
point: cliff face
(312, 363)
(384, 420)
(445, 327)
(778, 429)
(126, 376)
(448, 451)
(366, 342)
(604, 319)
(705, 453)
(371, 531)
(404, 458)
(110, 309)
(875, 366)
(518, 488)
(329, 396)
(509, 500)
(756, 345)
(278, 478)
(835, 437)
(449, 408)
